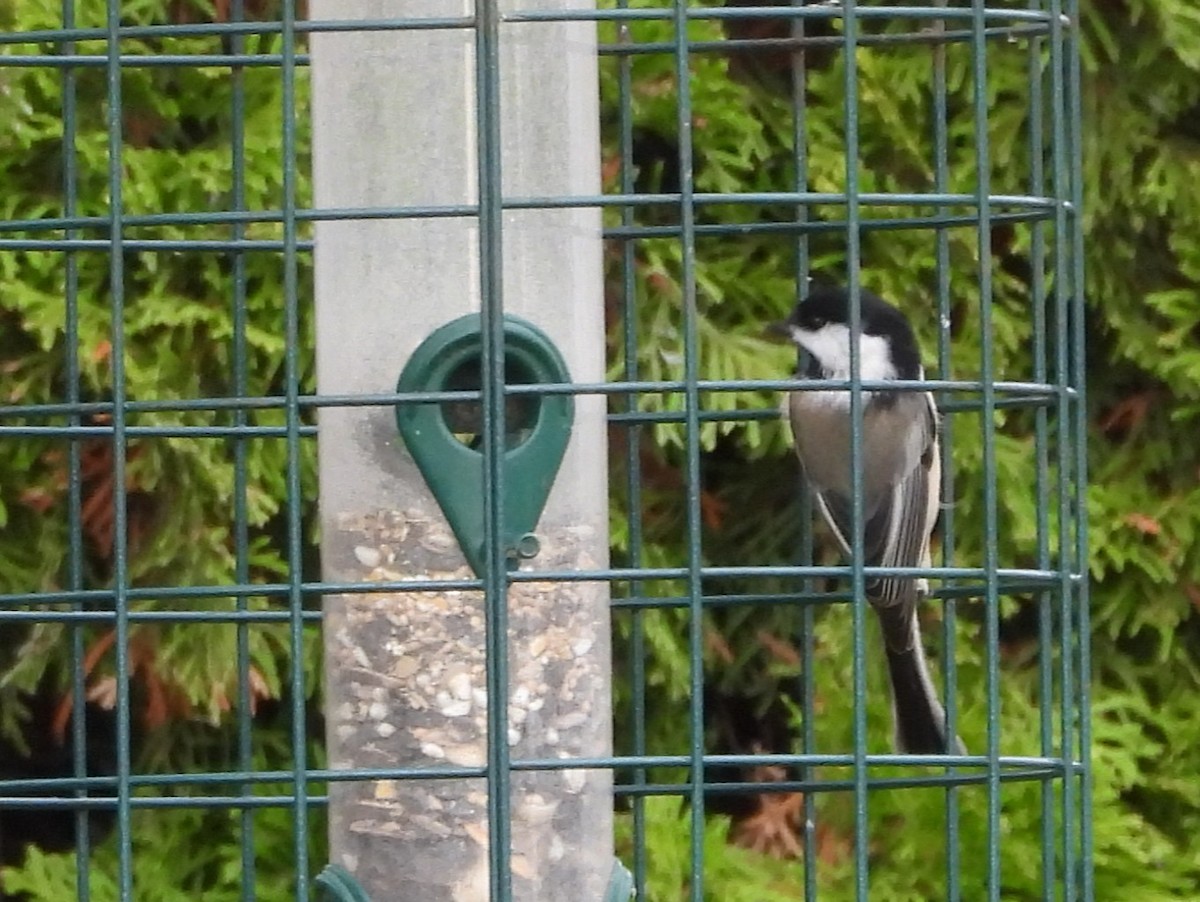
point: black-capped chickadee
(901, 475)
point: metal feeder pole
(395, 126)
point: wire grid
(1054, 392)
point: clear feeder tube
(394, 126)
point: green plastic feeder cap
(445, 438)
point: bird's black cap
(826, 304)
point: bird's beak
(778, 332)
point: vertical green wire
(292, 404)
(633, 461)
(487, 99)
(1037, 294)
(941, 183)
(988, 397)
(1079, 380)
(241, 522)
(857, 582)
(116, 273)
(808, 743)
(1064, 431)
(75, 575)
(691, 375)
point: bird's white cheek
(830, 346)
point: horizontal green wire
(147, 244)
(615, 233)
(337, 214)
(159, 32)
(633, 48)
(761, 414)
(938, 13)
(1016, 768)
(1031, 390)
(1013, 582)
(1020, 774)
(145, 61)
(823, 226)
(1025, 774)
(759, 45)
(224, 29)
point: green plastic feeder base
(336, 885)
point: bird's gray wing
(895, 534)
(835, 508)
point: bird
(901, 477)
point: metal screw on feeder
(527, 546)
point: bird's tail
(918, 715)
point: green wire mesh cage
(162, 708)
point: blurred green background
(1141, 151)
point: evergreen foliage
(1142, 163)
